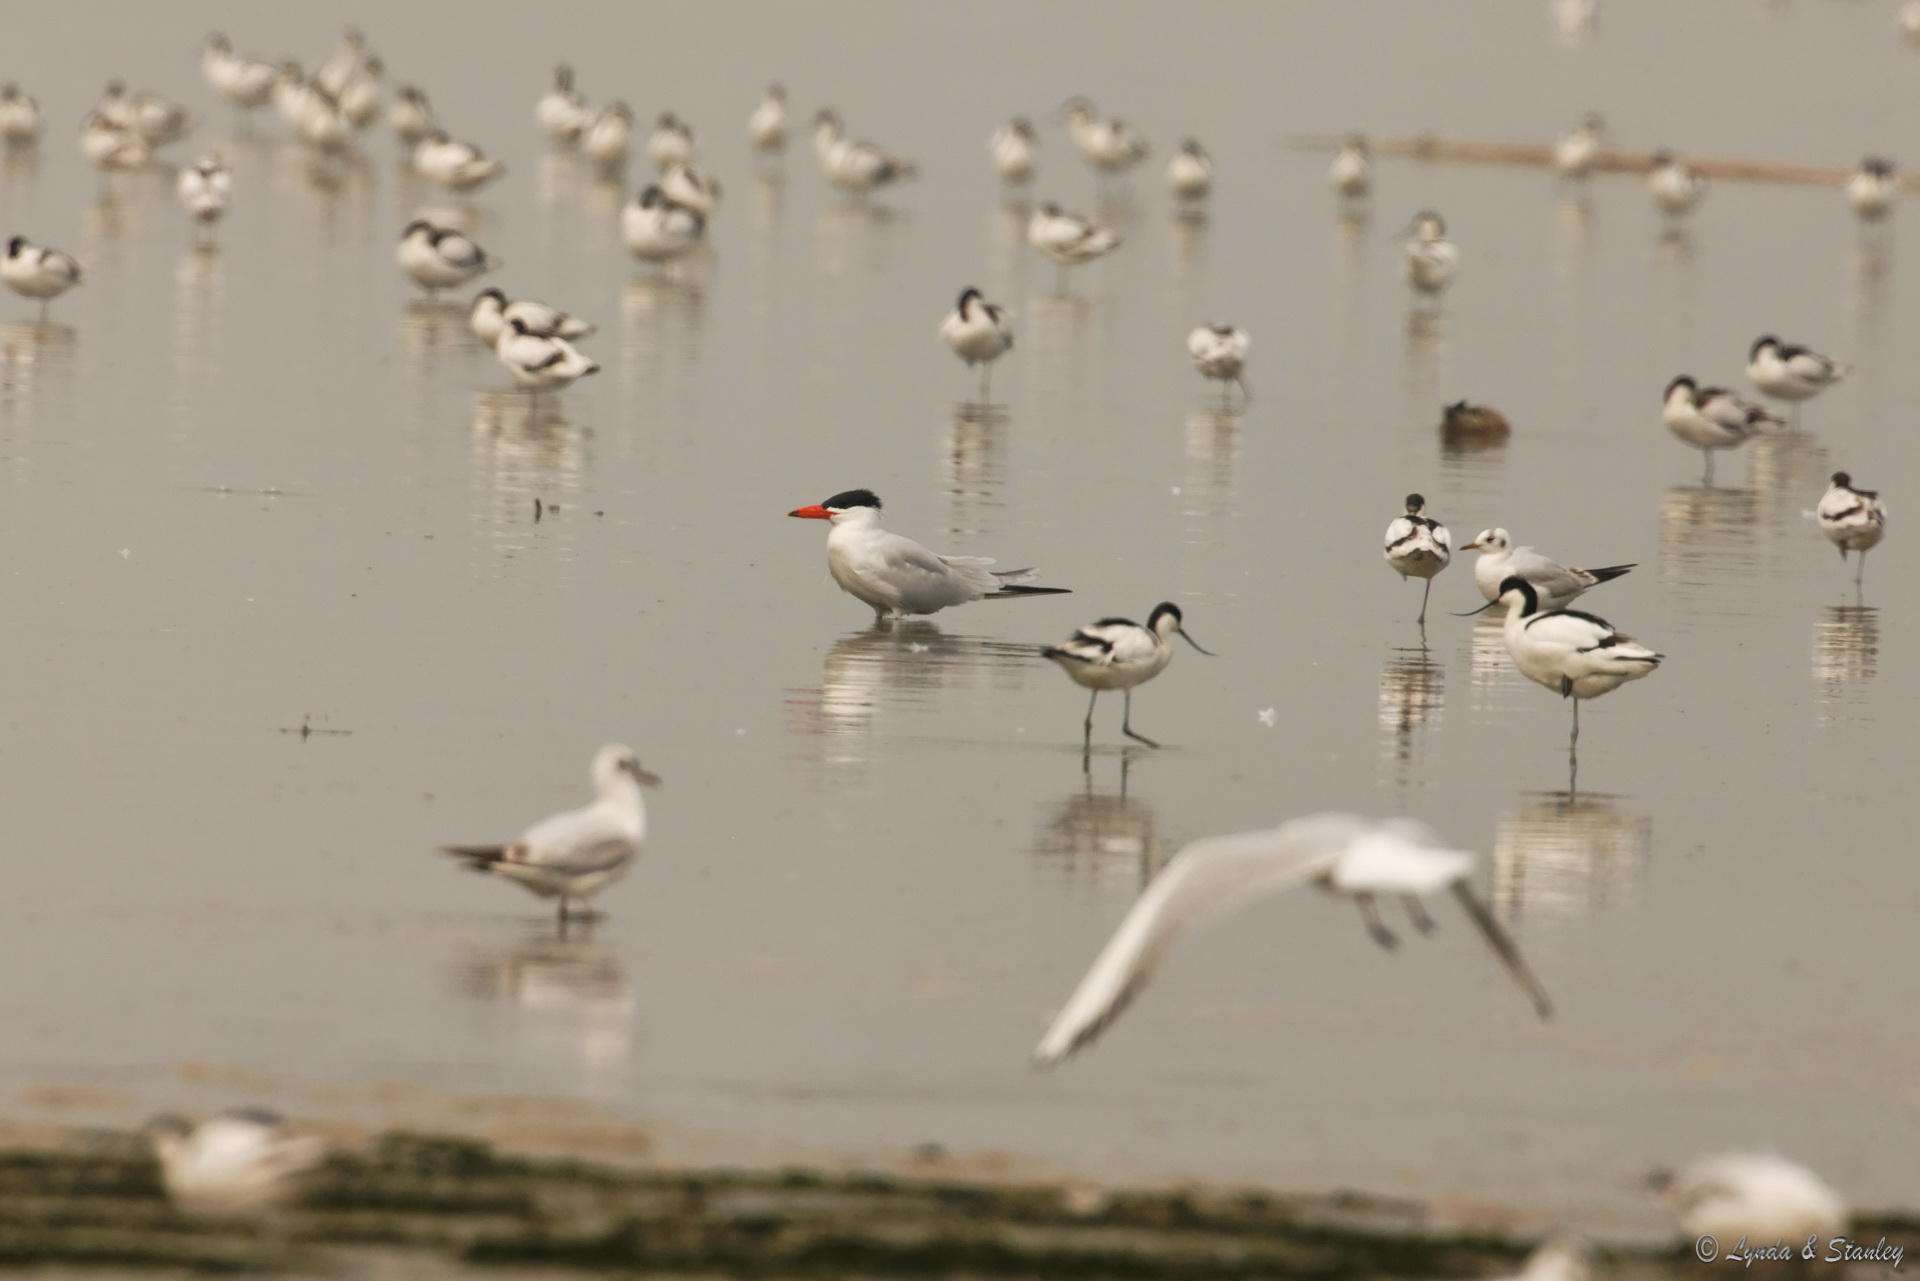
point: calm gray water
(254, 486)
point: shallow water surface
(259, 489)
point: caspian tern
(576, 854)
(1852, 519)
(1353, 857)
(1418, 546)
(897, 576)
(1118, 653)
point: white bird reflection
(1707, 536)
(1213, 442)
(895, 667)
(850, 233)
(1412, 693)
(1426, 347)
(1102, 837)
(661, 314)
(1787, 472)
(568, 995)
(973, 465)
(1557, 854)
(36, 364)
(1846, 650)
(1189, 240)
(522, 448)
(200, 277)
(429, 327)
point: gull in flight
(1356, 858)
(238, 1162)
(576, 854)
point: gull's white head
(1429, 226)
(616, 768)
(1490, 540)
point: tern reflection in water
(1099, 836)
(1846, 649)
(1561, 855)
(567, 992)
(904, 667)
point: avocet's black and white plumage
(1576, 655)
(20, 120)
(1109, 145)
(1556, 585)
(455, 165)
(1871, 189)
(411, 115)
(562, 111)
(1711, 418)
(34, 271)
(244, 1161)
(979, 332)
(205, 189)
(246, 82)
(438, 258)
(575, 855)
(896, 576)
(692, 189)
(608, 137)
(158, 121)
(1015, 149)
(854, 166)
(1190, 172)
(109, 147)
(490, 313)
(1676, 187)
(1068, 238)
(540, 362)
(1351, 172)
(1118, 653)
(359, 101)
(767, 125)
(1431, 258)
(670, 143)
(659, 230)
(346, 60)
(1575, 151)
(1854, 520)
(1361, 859)
(1418, 546)
(1757, 1195)
(1791, 373)
(1219, 352)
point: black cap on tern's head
(1414, 503)
(851, 498)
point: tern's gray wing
(1205, 880)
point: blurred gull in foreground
(1756, 1195)
(239, 1162)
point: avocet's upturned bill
(437, 258)
(1118, 653)
(1431, 258)
(1711, 418)
(1015, 149)
(1854, 520)
(1575, 151)
(1676, 187)
(1574, 654)
(491, 311)
(1351, 172)
(1418, 546)
(1760, 1195)
(1871, 189)
(658, 230)
(1190, 172)
(575, 855)
(1791, 373)
(767, 126)
(34, 271)
(1219, 353)
(1555, 584)
(1352, 857)
(244, 1161)
(979, 332)
(895, 576)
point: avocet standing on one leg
(1854, 520)
(979, 332)
(1574, 654)
(1418, 546)
(1219, 352)
(1711, 418)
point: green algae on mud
(444, 1204)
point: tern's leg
(1422, 620)
(1376, 928)
(1502, 943)
(1417, 913)
(1126, 722)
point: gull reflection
(1846, 650)
(906, 667)
(1412, 689)
(1558, 855)
(1213, 442)
(1707, 534)
(1100, 836)
(567, 994)
(973, 465)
